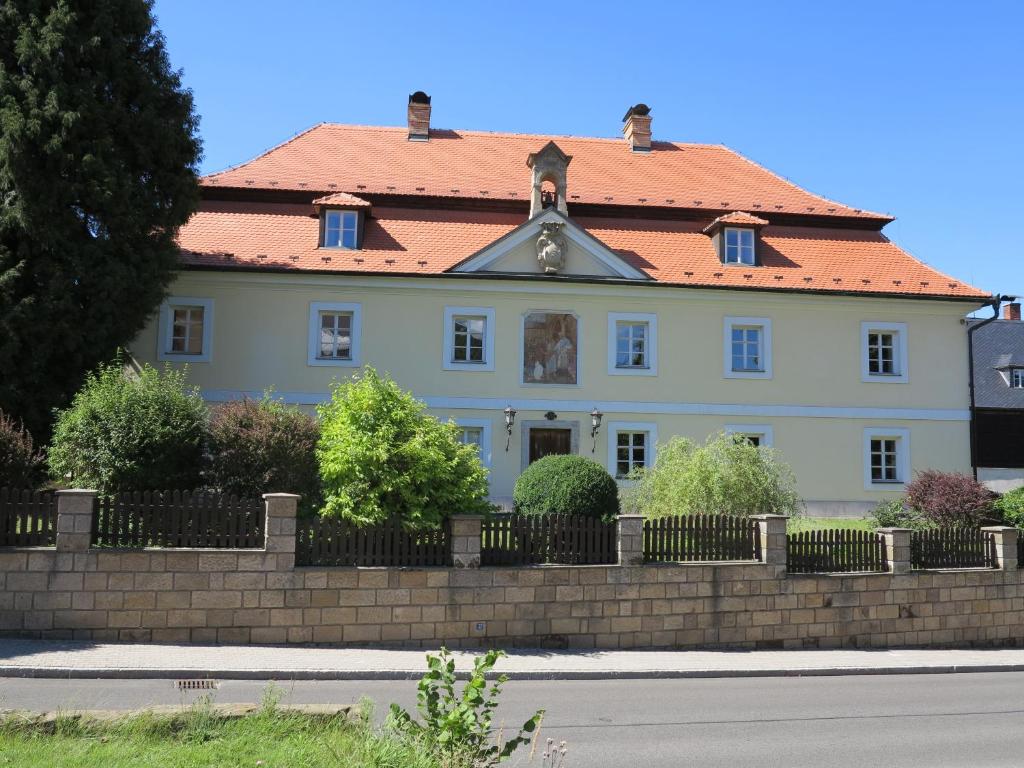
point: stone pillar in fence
(771, 529)
(630, 539)
(280, 527)
(1004, 541)
(897, 549)
(465, 540)
(74, 519)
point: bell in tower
(549, 166)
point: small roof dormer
(342, 218)
(549, 164)
(735, 237)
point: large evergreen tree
(98, 156)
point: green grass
(825, 523)
(200, 738)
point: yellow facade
(815, 400)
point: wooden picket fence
(696, 538)
(329, 542)
(837, 550)
(952, 548)
(540, 539)
(178, 519)
(27, 518)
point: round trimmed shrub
(264, 446)
(128, 431)
(21, 465)
(1011, 506)
(566, 485)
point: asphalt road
(951, 720)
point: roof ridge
(266, 152)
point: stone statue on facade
(551, 247)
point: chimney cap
(640, 110)
(419, 98)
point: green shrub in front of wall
(1011, 506)
(21, 464)
(566, 485)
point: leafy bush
(1011, 506)
(127, 431)
(950, 498)
(21, 465)
(566, 485)
(894, 513)
(727, 475)
(381, 455)
(458, 728)
(263, 446)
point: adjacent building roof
(437, 202)
(998, 347)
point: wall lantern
(510, 419)
(595, 426)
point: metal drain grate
(196, 685)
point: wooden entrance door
(546, 441)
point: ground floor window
(631, 446)
(886, 457)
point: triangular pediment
(576, 253)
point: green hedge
(566, 485)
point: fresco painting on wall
(549, 348)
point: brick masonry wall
(246, 597)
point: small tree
(262, 446)
(566, 485)
(21, 465)
(727, 475)
(1011, 506)
(950, 498)
(381, 455)
(125, 431)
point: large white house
(658, 287)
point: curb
(142, 673)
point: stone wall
(259, 596)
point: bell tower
(549, 165)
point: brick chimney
(419, 116)
(1011, 311)
(637, 128)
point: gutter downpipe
(994, 302)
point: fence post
(280, 527)
(74, 519)
(465, 540)
(772, 531)
(897, 549)
(1004, 540)
(629, 531)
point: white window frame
(313, 350)
(450, 313)
(739, 246)
(484, 425)
(766, 347)
(902, 437)
(1017, 378)
(651, 351)
(614, 427)
(165, 329)
(900, 357)
(765, 432)
(342, 212)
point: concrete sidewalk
(33, 658)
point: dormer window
(739, 246)
(1017, 378)
(341, 229)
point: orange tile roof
(736, 217)
(227, 234)
(484, 165)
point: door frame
(524, 436)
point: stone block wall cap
(77, 492)
(631, 517)
(894, 530)
(997, 528)
(281, 496)
(467, 517)
(770, 516)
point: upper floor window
(1017, 378)
(747, 348)
(739, 246)
(185, 329)
(884, 352)
(468, 339)
(341, 229)
(632, 344)
(334, 333)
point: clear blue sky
(912, 108)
